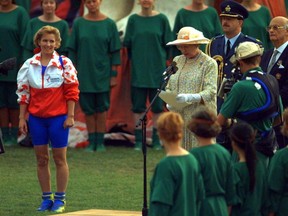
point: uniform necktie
(228, 46)
(273, 60)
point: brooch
(279, 63)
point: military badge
(228, 8)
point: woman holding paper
(195, 82)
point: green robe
(12, 28)
(34, 25)
(146, 38)
(206, 21)
(24, 3)
(255, 27)
(176, 187)
(278, 182)
(93, 47)
(218, 176)
(248, 203)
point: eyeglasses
(275, 27)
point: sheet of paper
(170, 98)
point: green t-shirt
(249, 203)
(255, 27)
(146, 38)
(34, 25)
(93, 47)
(12, 29)
(278, 182)
(217, 172)
(25, 4)
(244, 96)
(206, 21)
(176, 187)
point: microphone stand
(143, 122)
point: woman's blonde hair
(170, 126)
(47, 30)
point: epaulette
(217, 37)
(255, 40)
(207, 50)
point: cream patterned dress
(196, 75)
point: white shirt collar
(282, 47)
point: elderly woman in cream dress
(195, 82)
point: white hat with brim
(246, 50)
(189, 35)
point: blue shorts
(43, 130)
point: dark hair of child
(204, 123)
(243, 136)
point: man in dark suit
(275, 62)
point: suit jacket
(279, 70)
(217, 47)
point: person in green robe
(146, 35)
(177, 185)
(278, 177)
(13, 19)
(215, 163)
(199, 16)
(94, 47)
(257, 21)
(47, 18)
(25, 4)
(250, 174)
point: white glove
(189, 98)
(169, 107)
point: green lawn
(108, 180)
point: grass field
(110, 180)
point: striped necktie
(273, 60)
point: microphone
(171, 69)
(7, 65)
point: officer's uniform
(217, 45)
